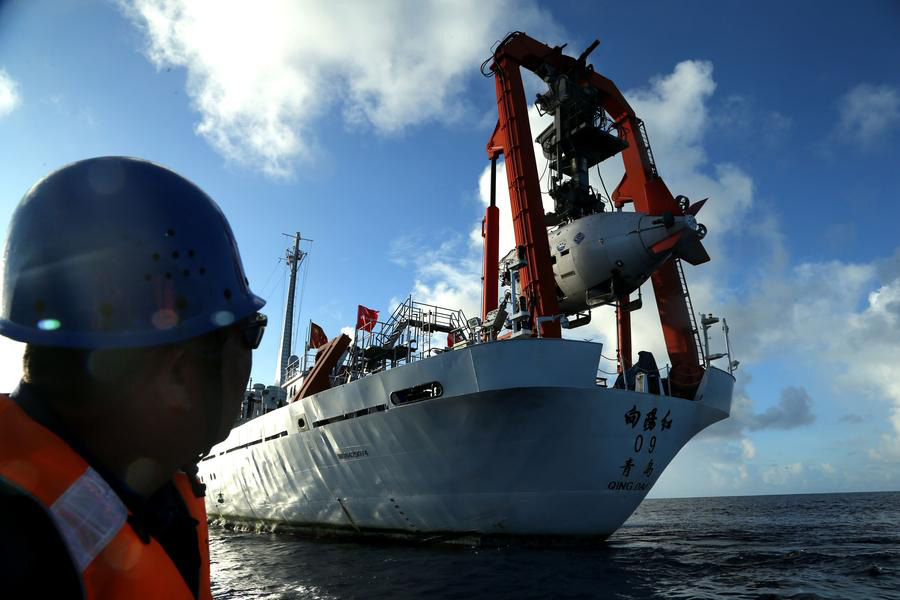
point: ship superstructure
(429, 423)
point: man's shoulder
(12, 495)
(24, 523)
(34, 559)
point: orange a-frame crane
(640, 185)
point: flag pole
(306, 346)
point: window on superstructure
(425, 391)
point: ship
(432, 425)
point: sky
(363, 125)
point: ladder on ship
(645, 140)
(701, 351)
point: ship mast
(294, 258)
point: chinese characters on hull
(649, 424)
(650, 421)
(633, 417)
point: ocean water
(798, 546)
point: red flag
(366, 318)
(317, 337)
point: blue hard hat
(119, 252)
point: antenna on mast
(294, 258)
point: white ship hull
(523, 442)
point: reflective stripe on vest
(92, 520)
(88, 514)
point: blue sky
(363, 125)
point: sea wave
(786, 547)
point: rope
(657, 371)
(269, 278)
(608, 197)
(541, 180)
(641, 370)
(300, 305)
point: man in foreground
(125, 282)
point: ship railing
(414, 330)
(293, 369)
(259, 400)
(642, 377)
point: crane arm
(640, 185)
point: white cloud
(794, 409)
(869, 113)
(727, 475)
(782, 474)
(9, 94)
(452, 282)
(738, 117)
(707, 468)
(350, 332)
(674, 110)
(448, 282)
(842, 317)
(261, 77)
(748, 450)
(507, 237)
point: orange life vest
(92, 520)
